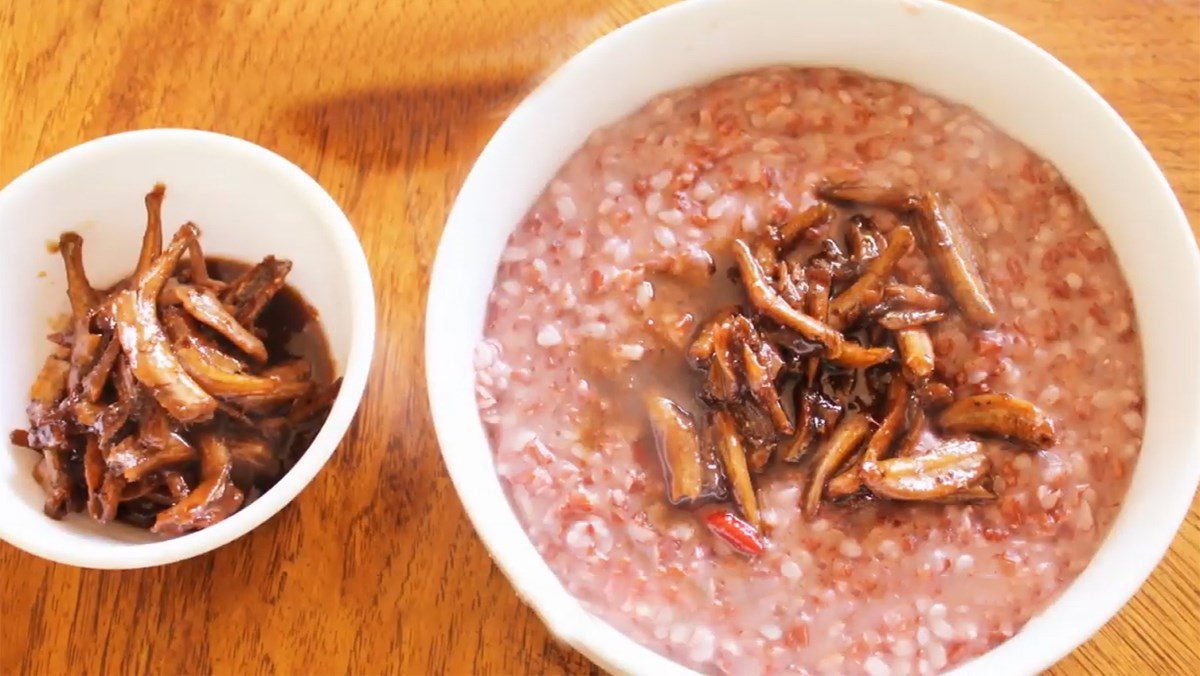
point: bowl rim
(326, 212)
(567, 618)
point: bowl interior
(248, 203)
(944, 50)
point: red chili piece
(739, 534)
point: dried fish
(249, 294)
(291, 371)
(213, 500)
(844, 440)
(758, 434)
(787, 286)
(152, 239)
(269, 403)
(915, 297)
(97, 378)
(927, 477)
(93, 476)
(766, 300)
(51, 472)
(733, 459)
(766, 251)
(117, 414)
(701, 349)
(177, 486)
(154, 426)
(135, 312)
(917, 427)
(792, 347)
(797, 447)
(847, 305)
(86, 413)
(678, 447)
(1001, 415)
(112, 493)
(199, 268)
(855, 356)
(934, 395)
(151, 489)
(760, 382)
(206, 367)
(49, 387)
(723, 384)
(815, 216)
(204, 306)
(861, 238)
(898, 320)
(85, 345)
(134, 460)
(849, 481)
(944, 236)
(852, 187)
(916, 353)
(820, 282)
(184, 332)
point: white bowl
(248, 203)
(941, 49)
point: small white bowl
(248, 203)
(941, 49)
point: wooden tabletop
(374, 568)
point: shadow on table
(410, 128)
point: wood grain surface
(374, 568)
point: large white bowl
(248, 203)
(936, 47)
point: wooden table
(374, 567)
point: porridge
(892, 513)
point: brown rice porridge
(576, 330)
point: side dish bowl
(248, 202)
(936, 47)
